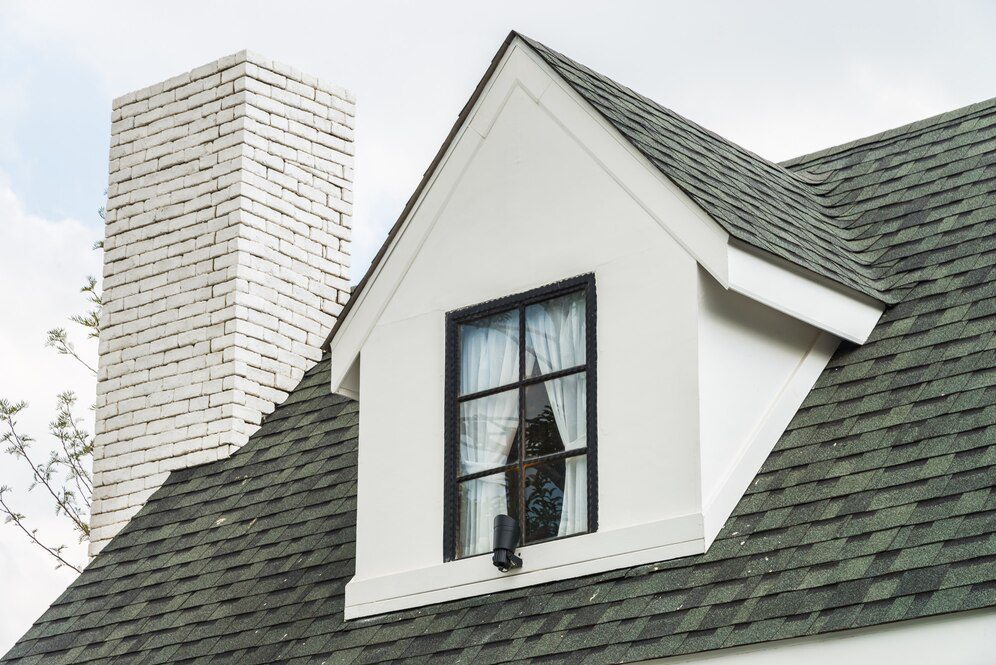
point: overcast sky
(781, 78)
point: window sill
(544, 562)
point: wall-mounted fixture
(506, 539)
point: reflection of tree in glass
(544, 500)
(542, 435)
(511, 494)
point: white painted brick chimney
(226, 262)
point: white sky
(780, 78)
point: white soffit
(801, 294)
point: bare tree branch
(19, 445)
(12, 517)
(58, 339)
(76, 445)
(91, 319)
(65, 476)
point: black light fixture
(506, 539)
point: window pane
(555, 334)
(574, 518)
(481, 500)
(487, 431)
(489, 352)
(556, 415)
(556, 498)
(544, 500)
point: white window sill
(545, 562)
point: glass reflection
(544, 500)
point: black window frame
(452, 477)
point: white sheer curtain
(555, 340)
(489, 357)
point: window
(520, 417)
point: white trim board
(545, 562)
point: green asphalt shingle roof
(779, 210)
(876, 505)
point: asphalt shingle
(876, 505)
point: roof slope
(761, 203)
(878, 504)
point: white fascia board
(959, 638)
(801, 294)
(765, 278)
(399, 256)
(769, 280)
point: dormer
(566, 326)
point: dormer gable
(703, 346)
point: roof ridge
(916, 125)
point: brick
(226, 260)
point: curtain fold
(555, 339)
(489, 353)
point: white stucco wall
(515, 222)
